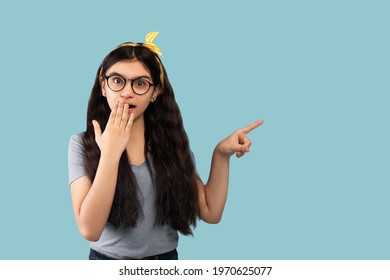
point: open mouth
(131, 106)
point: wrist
(110, 157)
(220, 151)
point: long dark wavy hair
(166, 142)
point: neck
(136, 145)
(138, 129)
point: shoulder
(76, 157)
(76, 140)
(76, 145)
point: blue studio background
(316, 182)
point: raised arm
(92, 201)
(212, 196)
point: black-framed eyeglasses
(116, 83)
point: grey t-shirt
(145, 239)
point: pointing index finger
(251, 127)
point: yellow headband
(153, 48)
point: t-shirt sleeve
(75, 157)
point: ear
(102, 83)
(155, 94)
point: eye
(117, 80)
(116, 83)
(141, 86)
(140, 83)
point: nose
(127, 91)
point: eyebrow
(133, 78)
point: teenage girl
(131, 173)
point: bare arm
(212, 196)
(92, 201)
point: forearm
(212, 196)
(216, 188)
(96, 206)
